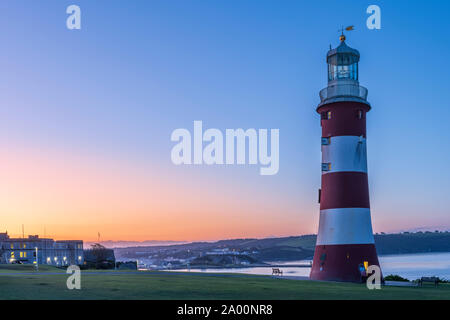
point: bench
(434, 280)
(277, 271)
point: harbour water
(410, 266)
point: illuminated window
(326, 166)
(325, 115)
(366, 265)
(13, 255)
(12, 245)
(343, 71)
(21, 254)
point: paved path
(400, 284)
(151, 273)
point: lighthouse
(345, 244)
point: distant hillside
(222, 260)
(402, 243)
(291, 248)
(418, 242)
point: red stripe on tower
(345, 243)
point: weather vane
(349, 28)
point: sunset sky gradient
(86, 116)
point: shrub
(394, 277)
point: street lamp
(37, 261)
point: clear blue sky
(140, 69)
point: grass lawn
(21, 282)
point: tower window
(326, 166)
(360, 114)
(325, 141)
(325, 115)
(343, 71)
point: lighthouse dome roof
(343, 55)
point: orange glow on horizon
(73, 196)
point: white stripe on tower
(345, 226)
(345, 153)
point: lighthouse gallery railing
(343, 90)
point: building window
(12, 245)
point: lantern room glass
(343, 72)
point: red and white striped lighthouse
(345, 243)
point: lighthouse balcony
(343, 92)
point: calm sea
(410, 266)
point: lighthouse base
(342, 262)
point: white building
(42, 250)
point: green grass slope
(22, 283)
